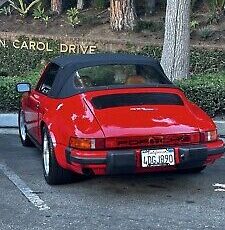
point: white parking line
(21, 185)
(219, 190)
(219, 187)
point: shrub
(202, 60)
(40, 14)
(217, 8)
(16, 62)
(207, 91)
(194, 24)
(205, 32)
(6, 10)
(22, 7)
(207, 61)
(10, 99)
(73, 17)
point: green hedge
(16, 62)
(10, 99)
(207, 91)
(201, 60)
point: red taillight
(133, 142)
(156, 140)
(124, 142)
(195, 138)
(209, 136)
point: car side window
(48, 78)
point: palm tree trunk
(80, 4)
(122, 14)
(176, 48)
(56, 6)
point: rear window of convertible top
(117, 75)
(130, 99)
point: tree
(176, 49)
(80, 4)
(122, 14)
(56, 6)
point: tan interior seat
(136, 79)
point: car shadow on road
(167, 184)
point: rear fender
(59, 149)
(64, 122)
(204, 121)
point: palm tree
(56, 6)
(122, 14)
(80, 4)
(176, 48)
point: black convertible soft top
(63, 85)
(86, 60)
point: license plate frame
(157, 157)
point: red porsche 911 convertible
(113, 114)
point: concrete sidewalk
(11, 121)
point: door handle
(38, 106)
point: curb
(9, 120)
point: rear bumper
(117, 162)
(128, 161)
(196, 156)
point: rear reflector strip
(134, 142)
(130, 99)
(159, 140)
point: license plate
(157, 157)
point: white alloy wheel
(22, 126)
(46, 154)
(53, 172)
(25, 139)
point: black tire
(25, 139)
(53, 173)
(192, 170)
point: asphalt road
(157, 201)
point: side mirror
(23, 87)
